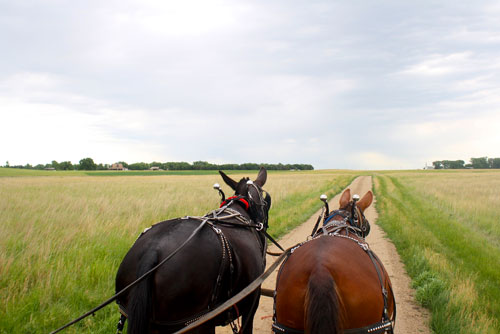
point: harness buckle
(260, 227)
(294, 248)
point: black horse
(223, 257)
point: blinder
(263, 203)
(354, 217)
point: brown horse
(334, 283)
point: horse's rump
(331, 269)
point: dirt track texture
(410, 319)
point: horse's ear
(229, 181)
(345, 198)
(365, 201)
(262, 177)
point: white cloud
(438, 64)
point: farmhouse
(117, 167)
(428, 167)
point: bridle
(352, 216)
(257, 208)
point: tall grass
(62, 237)
(445, 226)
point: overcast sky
(336, 84)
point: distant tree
(7, 164)
(453, 164)
(197, 165)
(156, 164)
(183, 165)
(39, 166)
(55, 165)
(437, 164)
(228, 166)
(138, 166)
(494, 162)
(66, 165)
(249, 166)
(203, 165)
(479, 163)
(102, 167)
(87, 164)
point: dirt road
(411, 319)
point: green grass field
(64, 234)
(446, 227)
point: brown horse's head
(362, 204)
(356, 209)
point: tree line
(89, 164)
(475, 163)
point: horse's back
(356, 282)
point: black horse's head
(259, 201)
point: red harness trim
(242, 200)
